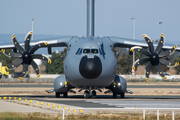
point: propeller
(154, 57)
(26, 56)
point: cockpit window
(86, 51)
(94, 51)
(79, 51)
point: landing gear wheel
(57, 94)
(86, 94)
(122, 95)
(65, 95)
(93, 94)
(114, 95)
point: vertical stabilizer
(90, 18)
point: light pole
(133, 28)
(32, 27)
(32, 38)
(133, 38)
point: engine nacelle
(61, 84)
(119, 85)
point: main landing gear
(87, 94)
(65, 94)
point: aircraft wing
(153, 56)
(128, 43)
(26, 50)
(55, 42)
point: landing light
(119, 84)
(61, 83)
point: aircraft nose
(90, 68)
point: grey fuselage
(90, 62)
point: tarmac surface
(52, 86)
(106, 101)
(101, 102)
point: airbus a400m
(90, 64)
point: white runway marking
(138, 104)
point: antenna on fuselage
(90, 18)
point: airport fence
(124, 113)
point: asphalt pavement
(51, 86)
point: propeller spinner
(26, 56)
(154, 57)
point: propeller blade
(148, 69)
(42, 57)
(34, 48)
(140, 62)
(167, 63)
(27, 41)
(24, 72)
(141, 50)
(36, 68)
(15, 64)
(158, 69)
(149, 42)
(16, 44)
(168, 52)
(11, 54)
(161, 43)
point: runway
(106, 101)
(102, 101)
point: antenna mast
(90, 18)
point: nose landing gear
(93, 94)
(87, 94)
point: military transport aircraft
(90, 63)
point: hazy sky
(112, 17)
